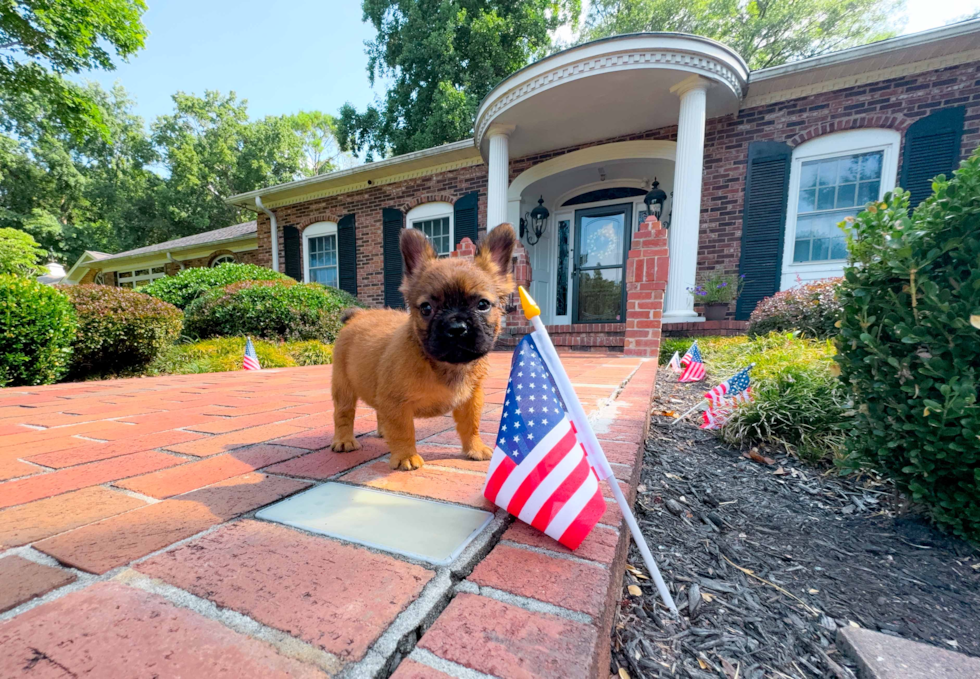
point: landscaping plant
(224, 354)
(119, 330)
(718, 289)
(20, 254)
(811, 308)
(37, 326)
(275, 310)
(910, 346)
(183, 288)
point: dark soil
(823, 552)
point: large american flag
(693, 365)
(539, 471)
(251, 360)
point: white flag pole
(588, 438)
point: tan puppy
(430, 360)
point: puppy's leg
(344, 407)
(467, 418)
(399, 433)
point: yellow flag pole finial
(531, 308)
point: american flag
(693, 365)
(723, 399)
(675, 363)
(539, 471)
(251, 361)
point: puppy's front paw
(481, 451)
(345, 445)
(407, 464)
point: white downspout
(273, 232)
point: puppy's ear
(417, 251)
(496, 250)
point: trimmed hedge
(119, 330)
(812, 308)
(909, 346)
(189, 284)
(225, 354)
(276, 310)
(37, 326)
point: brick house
(135, 268)
(757, 168)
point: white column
(686, 217)
(498, 174)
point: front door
(602, 236)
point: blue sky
(289, 55)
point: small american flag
(251, 361)
(675, 363)
(539, 471)
(723, 399)
(693, 365)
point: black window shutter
(763, 222)
(465, 218)
(392, 221)
(347, 254)
(293, 259)
(932, 147)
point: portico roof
(608, 88)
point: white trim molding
(849, 142)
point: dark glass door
(602, 236)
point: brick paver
(124, 469)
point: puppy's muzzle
(457, 328)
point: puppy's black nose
(457, 328)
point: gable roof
(227, 233)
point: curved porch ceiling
(608, 88)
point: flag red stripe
(584, 522)
(562, 495)
(538, 474)
(503, 470)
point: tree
(765, 32)
(20, 254)
(318, 133)
(443, 57)
(42, 40)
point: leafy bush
(908, 350)
(189, 284)
(225, 354)
(270, 310)
(718, 289)
(37, 326)
(119, 330)
(811, 308)
(799, 402)
(20, 254)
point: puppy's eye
(483, 305)
(425, 309)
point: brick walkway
(129, 547)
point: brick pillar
(514, 323)
(646, 282)
(465, 249)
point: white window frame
(222, 259)
(427, 211)
(147, 277)
(850, 142)
(315, 231)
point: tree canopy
(19, 254)
(441, 58)
(765, 32)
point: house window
(831, 178)
(435, 220)
(320, 248)
(223, 259)
(99, 279)
(139, 277)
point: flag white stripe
(495, 460)
(576, 503)
(537, 454)
(551, 483)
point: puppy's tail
(349, 314)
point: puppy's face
(456, 305)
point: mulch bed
(766, 561)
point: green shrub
(119, 330)
(189, 284)
(908, 350)
(20, 254)
(798, 400)
(37, 326)
(271, 310)
(811, 308)
(225, 354)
